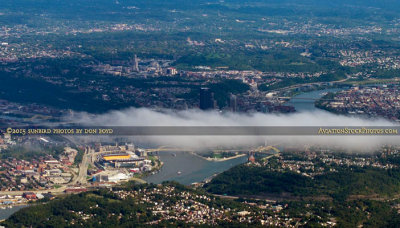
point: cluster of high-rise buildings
(135, 67)
(208, 102)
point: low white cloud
(147, 117)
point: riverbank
(218, 159)
(6, 213)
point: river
(5, 213)
(301, 103)
(192, 168)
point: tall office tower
(233, 102)
(206, 99)
(136, 64)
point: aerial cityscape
(205, 113)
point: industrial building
(111, 176)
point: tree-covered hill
(250, 180)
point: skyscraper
(136, 64)
(206, 99)
(233, 102)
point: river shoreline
(218, 159)
(6, 213)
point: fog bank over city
(147, 117)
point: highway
(18, 193)
(270, 156)
(306, 84)
(83, 167)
